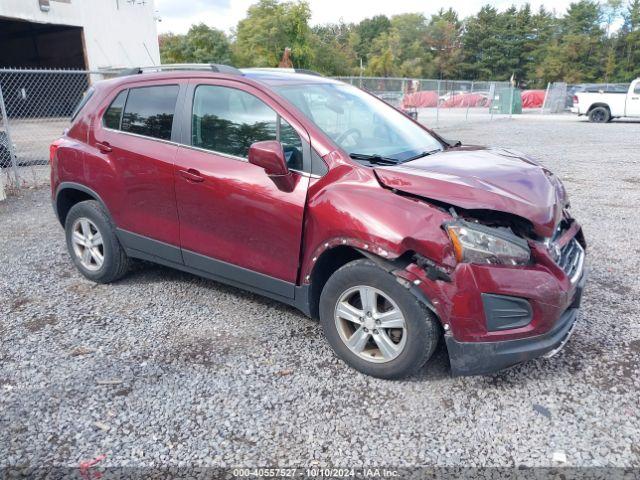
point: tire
(599, 115)
(88, 219)
(413, 344)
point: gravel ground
(164, 368)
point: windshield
(359, 123)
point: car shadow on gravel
(438, 368)
(146, 273)
(143, 272)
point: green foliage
(366, 32)
(586, 44)
(444, 37)
(333, 53)
(269, 28)
(201, 44)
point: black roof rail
(212, 67)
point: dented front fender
(339, 212)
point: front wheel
(374, 324)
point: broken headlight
(475, 243)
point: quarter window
(637, 89)
(149, 111)
(228, 120)
(85, 98)
(113, 116)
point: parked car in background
(320, 195)
(604, 105)
(593, 87)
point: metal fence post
(466, 117)
(492, 90)
(511, 101)
(546, 95)
(3, 194)
(438, 104)
(10, 147)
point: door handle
(104, 147)
(192, 175)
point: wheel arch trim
(595, 105)
(394, 264)
(80, 187)
(331, 244)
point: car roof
(270, 77)
(284, 76)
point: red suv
(322, 196)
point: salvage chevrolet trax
(319, 195)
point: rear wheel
(374, 324)
(92, 243)
(599, 115)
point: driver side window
(228, 120)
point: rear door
(135, 136)
(234, 221)
(633, 101)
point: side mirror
(270, 156)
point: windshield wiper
(423, 154)
(374, 158)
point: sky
(178, 15)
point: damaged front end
(512, 295)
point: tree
(583, 45)
(481, 44)
(628, 44)
(269, 28)
(366, 32)
(543, 35)
(332, 51)
(578, 53)
(443, 39)
(201, 44)
(383, 59)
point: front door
(234, 221)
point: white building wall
(117, 33)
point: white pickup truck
(602, 106)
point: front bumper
(496, 316)
(479, 358)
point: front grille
(571, 259)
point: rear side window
(228, 120)
(83, 101)
(637, 89)
(113, 116)
(149, 111)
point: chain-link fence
(556, 99)
(454, 100)
(35, 108)
(433, 101)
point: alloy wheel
(87, 244)
(370, 324)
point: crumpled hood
(476, 178)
